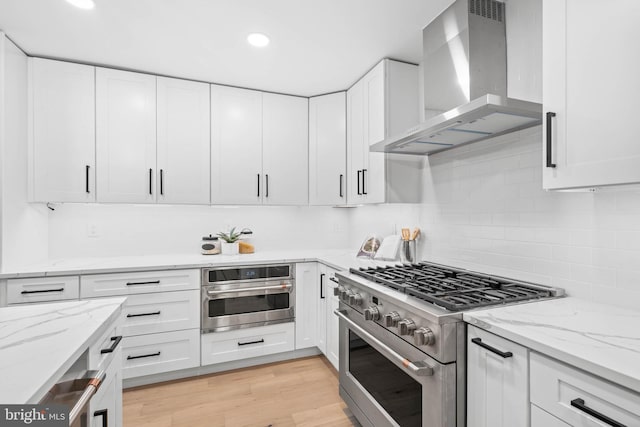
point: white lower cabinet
(540, 418)
(105, 408)
(332, 303)
(579, 398)
(497, 381)
(42, 289)
(218, 347)
(308, 293)
(158, 353)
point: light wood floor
(301, 392)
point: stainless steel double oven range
(247, 296)
(403, 341)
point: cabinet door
(322, 308)
(236, 146)
(356, 146)
(333, 302)
(183, 141)
(307, 294)
(285, 145)
(497, 385)
(327, 150)
(590, 81)
(105, 409)
(125, 136)
(62, 131)
(373, 179)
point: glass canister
(210, 245)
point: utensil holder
(408, 251)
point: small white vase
(230, 248)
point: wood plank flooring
(301, 392)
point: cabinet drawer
(554, 386)
(104, 285)
(157, 353)
(540, 418)
(102, 352)
(220, 347)
(160, 312)
(42, 289)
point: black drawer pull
(155, 313)
(43, 291)
(503, 354)
(364, 181)
(143, 355)
(321, 284)
(86, 179)
(152, 282)
(105, 417)
(334, 280)
(579, 403)
(359, 192)
(116, 341)
(251, 342)
(550, 116)
(341, 192)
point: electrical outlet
(92, 230)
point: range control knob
(371, 313)
(423, 336)
(337, 290)
(346, 296)
(355, 299)
(407, 326)
(391, 319)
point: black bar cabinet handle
(364, 181)
(161, 182)
(155, 313)
(258, 185)
(151, 282)
(341, 179)
(251, 342)
(322, 283)
(150, 181)
(105, 417)
(550, 116)
(266, 190)
(42, 291)
(334, 280)
(143, 355)
(579, 403)
(503, 354)
(114, 345)
(359, 192)
(86, 179)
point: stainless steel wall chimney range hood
(465, 82)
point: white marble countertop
(601, 339)
(40, 342)
(340, 259)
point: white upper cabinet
(381, 104)
(327, 150)
(590, 89)
(61, 131)
(125, 136)
(285, 144)
(182, 171)
(236, 146)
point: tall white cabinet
(285, 152)
(125, 136)
(183, 161)
(382, 103)
(589, 93)
(61, 131)
(327, 150)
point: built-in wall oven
(248, 296)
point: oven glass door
(397, 392)
(229, 306)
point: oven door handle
(256, 288)
(420, 369)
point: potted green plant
(230, 241)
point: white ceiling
(317, 46)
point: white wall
(153, 229)
(484, 209)
(24, 226)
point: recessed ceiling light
(83, 4)
(258, 39)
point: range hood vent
(465, 83)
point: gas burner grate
(451, 288)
